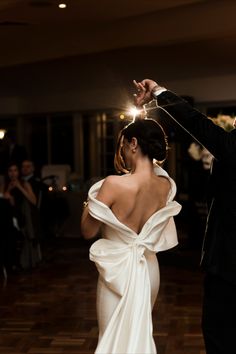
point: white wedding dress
(129, 274)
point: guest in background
(40, 190)
(22, 198)
(28, 175)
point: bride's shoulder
(114, 180)
(115, 183)
(110, 189)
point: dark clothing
(28, 222)
(219, 315)
(219, 252)
(8, 236)
(40, 190)
(43, 213)
(219, 246)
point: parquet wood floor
(51, 310)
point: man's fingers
(139, 86)
(136, 84)
(142, 87)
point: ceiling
(37, 30)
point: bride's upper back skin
(137, 195)
(134, 199)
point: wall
(104, 81)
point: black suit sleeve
(215, 139)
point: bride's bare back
(135, 198)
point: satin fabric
(129, 274)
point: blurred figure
(23, 200)
(27, 170)
(28, 174)
(40, 190)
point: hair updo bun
(156, 150)
(151, 139)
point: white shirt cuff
(158, 91)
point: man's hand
(149, 85)
(145, 89)
(142, 96)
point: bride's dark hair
(151, 139)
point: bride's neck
(142, 165)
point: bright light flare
(2, 133)
(134, 112)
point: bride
(135, 213)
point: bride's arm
(89, 225)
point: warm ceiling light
(62, 6)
